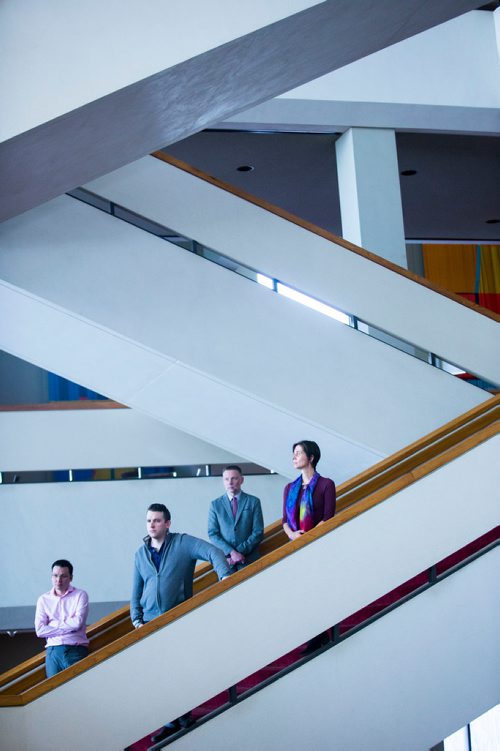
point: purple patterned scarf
(301, 516)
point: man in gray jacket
(235, 522)
(163, 578)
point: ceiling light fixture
(245, 168)
(408, 172)
(493, 221)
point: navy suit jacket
(243, 533)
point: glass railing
(105, 474)
(277, 286)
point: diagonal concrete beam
(117, 128)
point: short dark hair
(312, 450)
(63, 563)
(233, 466)
(161, 508)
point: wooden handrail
(458, 437)
(325, 234)
(116, 624)
(57, 406)
(384, 471)
(10, 699)
(96, 630)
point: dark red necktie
(234, 506)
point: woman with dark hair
(308, 502)
(310, 499)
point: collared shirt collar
(53, 591)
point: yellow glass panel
(490, 268)
(451, 266)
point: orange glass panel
(451, 266)
(490, 269)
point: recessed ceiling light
(408, 172)
(493, 221)
(245, 168)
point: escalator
(403, 681)
(250, 231)
(183, 340)
(395, 521)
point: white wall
(70, 54)
(92, 438)
(402, 683)
(497, 30)
(98, 526)
(454, 64)
(444, 78)
(271, 613)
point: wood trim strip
(309, 227)
(23, 669)
(108, 620)
(491, 405)
(354, 494)
(201, 598)
(58, 406)
(110, 635)
(25, 682)
(12, 701)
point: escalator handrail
(325, 234)
(20, 694)
(348, 493)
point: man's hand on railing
(236, 557)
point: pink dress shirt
(62, 619)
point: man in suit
(235, 522)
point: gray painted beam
(321, 116)
(112, 131)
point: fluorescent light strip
(310, 302)
(448, 368)
(266, 281)
(170, 235)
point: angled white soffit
(259, 239)
(78, 119)
(215, 355)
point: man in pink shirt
(61, 618)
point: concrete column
(370, 196)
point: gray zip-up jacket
(154, 592)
